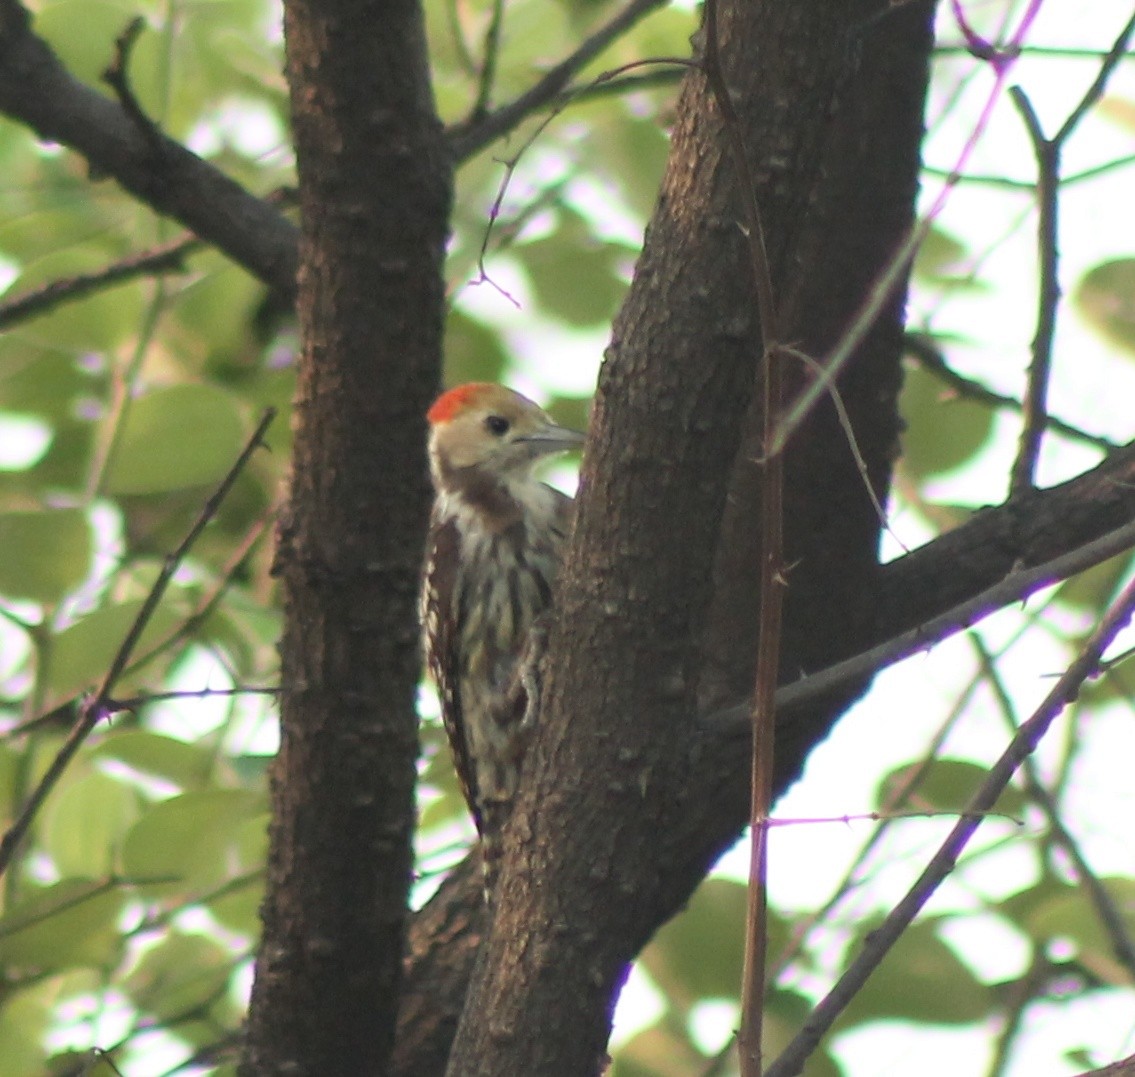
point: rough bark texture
(374, 190)
(604, 841)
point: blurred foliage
(128, 921)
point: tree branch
(791, 1061)
(1059, 531)
(928, 355)
(375, 198)
(38, 91)
(475, 134)
(167, 258)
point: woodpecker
(495, 541)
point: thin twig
(771, 593)
(13, 925)
(489, 57)
(885, 815)
(652, 80)
(1117, 52)
(182, 631)
(895, 270)
(1020, 993)
(852, 443)
(213, 600)
(1106, 910)
(467, 138)
(1048, 153)
(95, 708)
(1035, 403)
(1015, 587)
(133, 703)
(792, 1060)
(953, 48)
(168, 258)
(978, 178)
(930, 358)
(511, 163)
(117, 77)
(460, 46)
(122, 385)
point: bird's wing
(441, 617)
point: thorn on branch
(116, 76)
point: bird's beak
(552, 438)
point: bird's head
(491, 431)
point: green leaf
(943, 785)
(185, 765)
(576, 277)
(44, 554)
(73, 923)
(25, 1016)
(921, 979)
(42, 381)
(940, 257)
(473, 351)
(1066, 912)
(84, 822)
(943, 431)
(197, 839)
(698, 954)
(662, 1050)
(81, 654)
(238, 908)
(182, 436)
(181, 974)
(1105, 297)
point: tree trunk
(613, 828)
(375, 189)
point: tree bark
(375, 182)
(613, 828)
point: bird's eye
(498, 425)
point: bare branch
(37, 90)
(791, 1061)
(930, 358)
(1111, 59)
(1048, 153)
(1016, 587)
(168, 258)
(1035, 404)
(889, 279)
(1124, 1068)
(117, 77)
(467, 138)
(1106, 909)
(489, 58)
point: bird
(496, 538)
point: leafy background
(130, 916)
